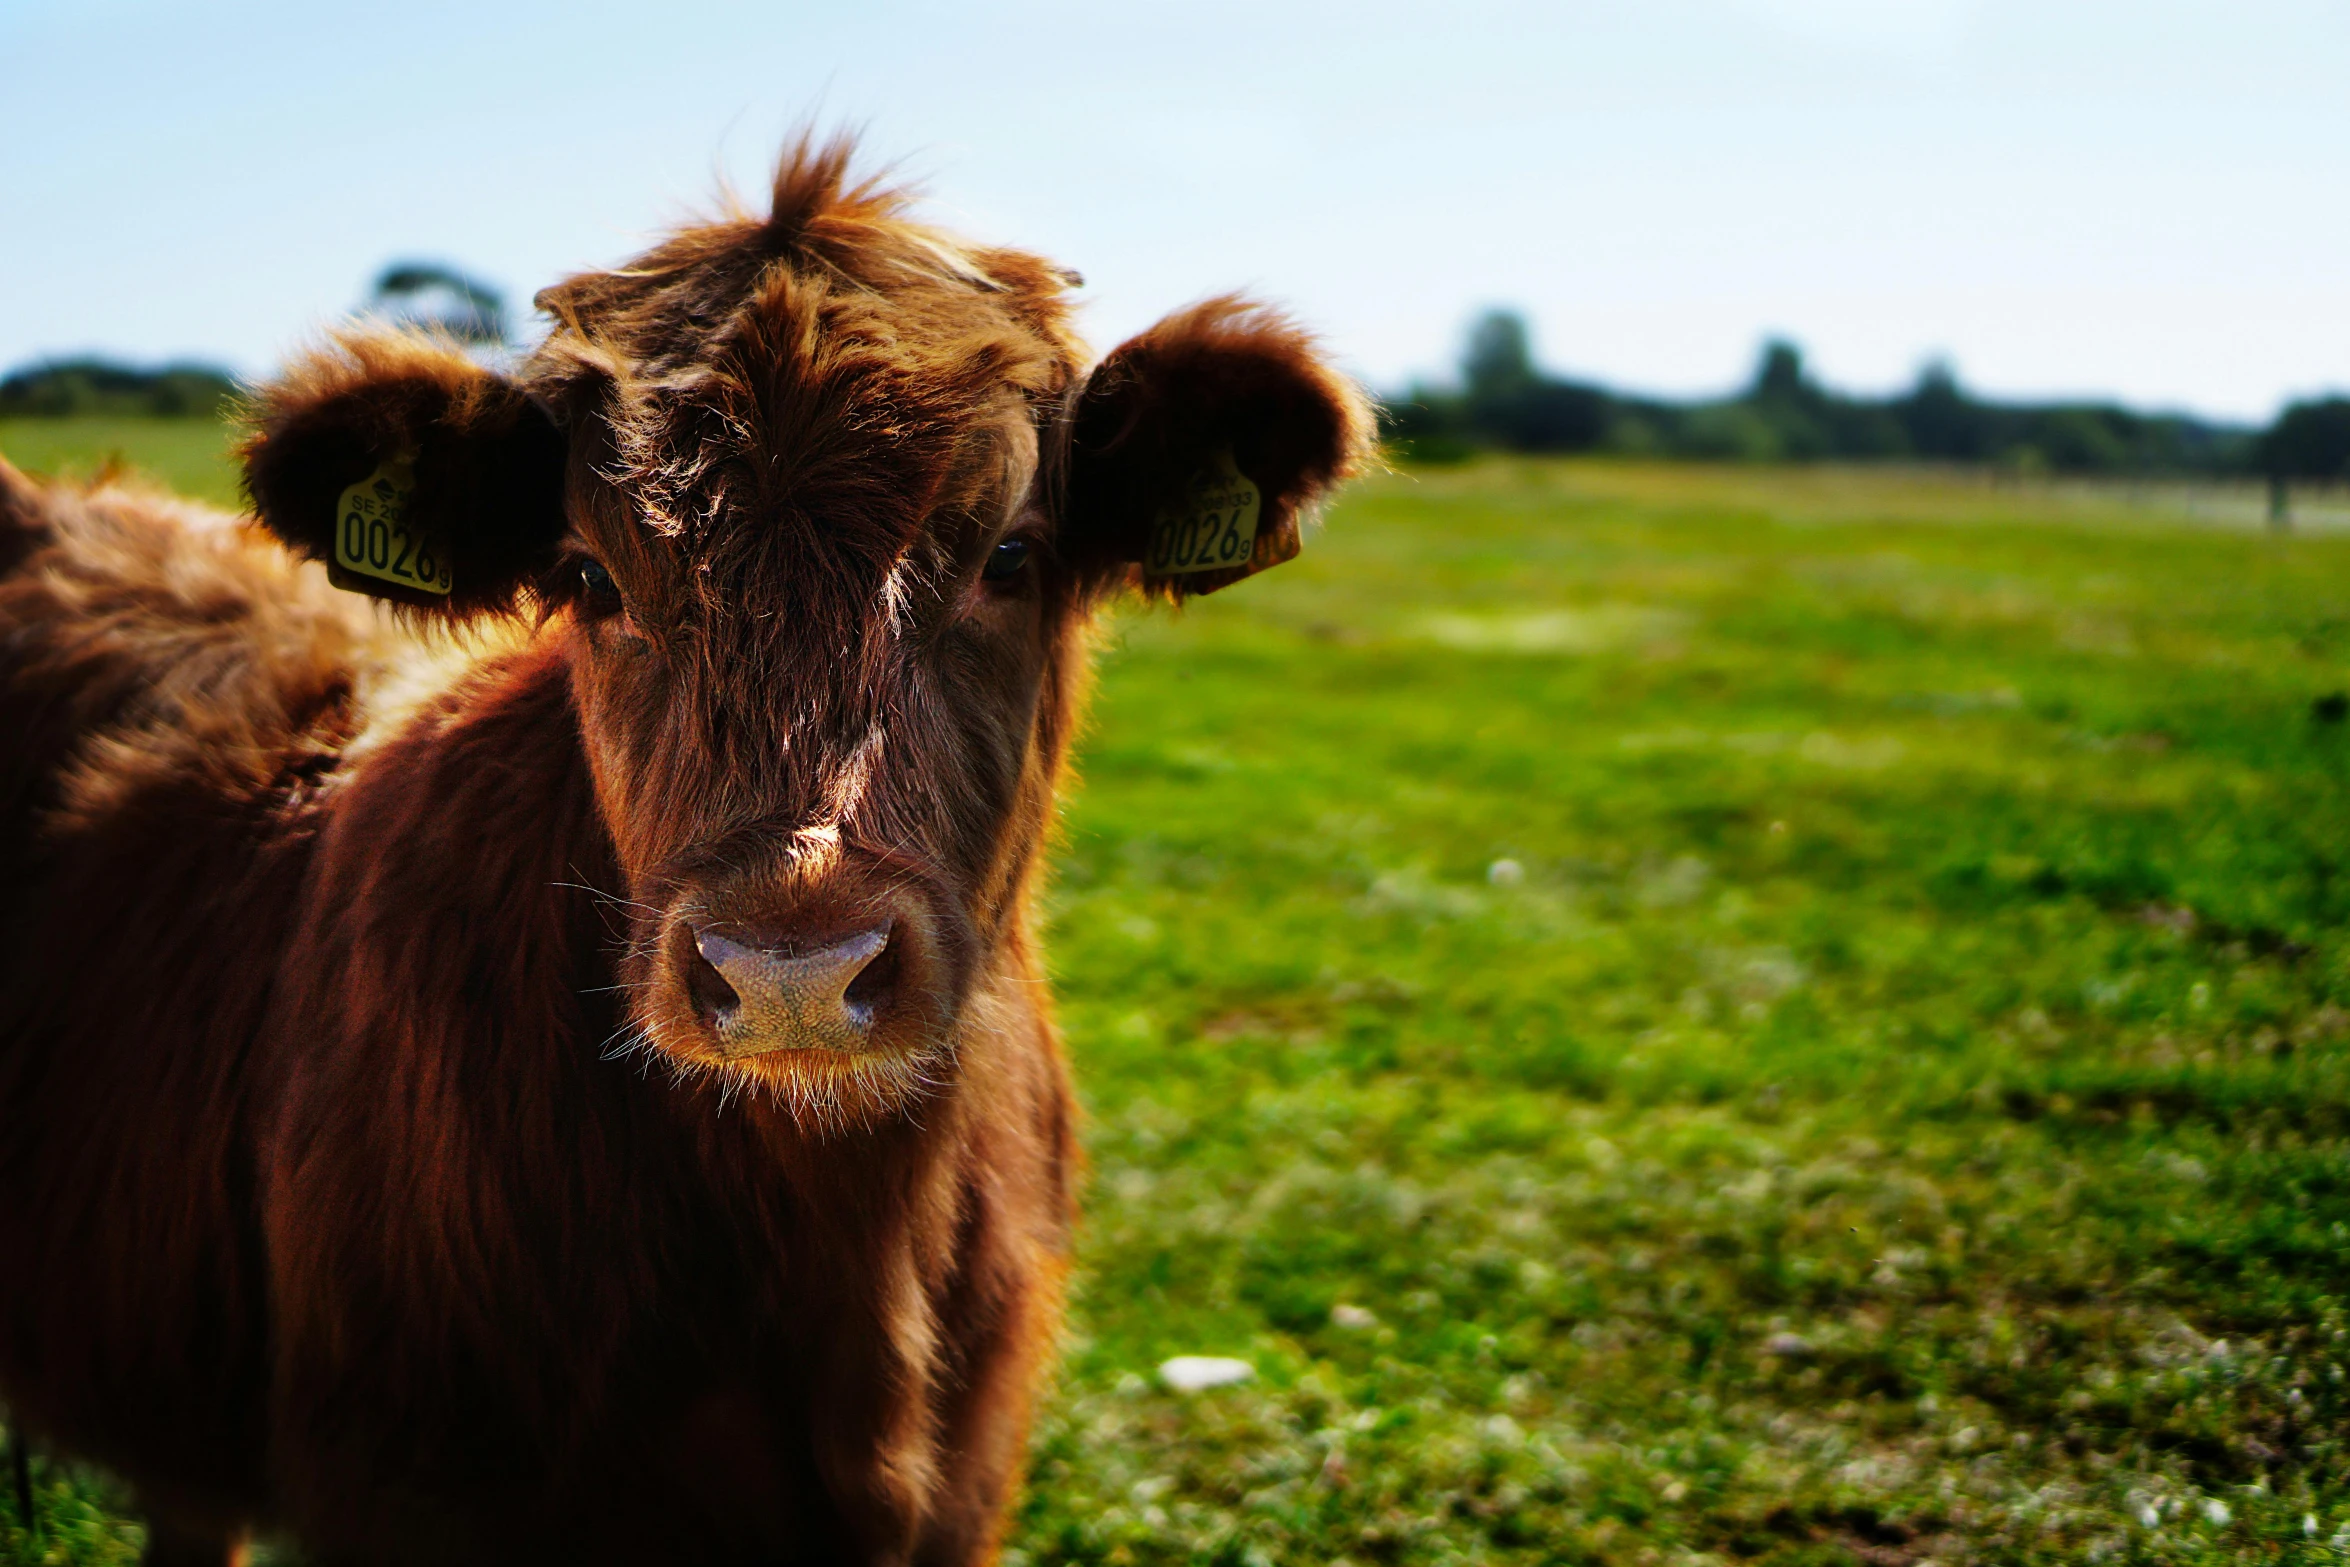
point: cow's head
(818, 504)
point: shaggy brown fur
(367, 1171)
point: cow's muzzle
(757, 996)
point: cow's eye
(1006, 560)
(599, 595)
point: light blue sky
(2147, 199)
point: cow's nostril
(874, 981)
(760, 997)
(713, 997)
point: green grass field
(1709, 1015)
(189, 455)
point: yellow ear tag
(372, 537)
(1212, 528)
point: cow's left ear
(1196, 448)
(415, 473)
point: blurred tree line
(60, 388)
(1506, 402)
(425, 294)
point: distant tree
(1559, 416)
(1510, 402)
(1940, 420)
(2310, 440)
(1784, 414)
(1778, 376)
(432, 295)
(1498, 363)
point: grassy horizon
(1707, 1014)
(190, 456)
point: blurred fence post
(2280, 504)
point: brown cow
(565, 1075)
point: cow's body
(575, 1084)
(309, 1188)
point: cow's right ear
(416, 474)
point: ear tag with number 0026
(1212, 528)
(373, 539)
